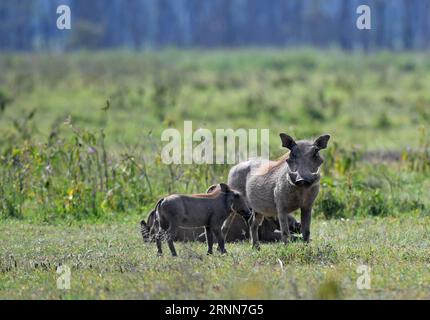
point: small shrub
(383, 121)
(330, 206)
(375, 204)
(4, 100)
(340, 159)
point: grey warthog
(278, 188)
(207, 210)
(236, 230)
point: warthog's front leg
(220, 237)
(305, 219)
(285, 226)
(209, 239)
(257, 220)
(227, 224)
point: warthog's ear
(287, 141)
(224, 187)
(143, 223)
(211, 188)
(321, 142)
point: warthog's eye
(317, 157)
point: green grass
(366, 102)
(75, 180)
(373, 101)
(111, 262)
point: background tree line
(139, 24)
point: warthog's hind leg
(209, 239)
(171, 234)
(158, 241)
(257, 220)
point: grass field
(80, 166)
(372, 102)
(111, 262)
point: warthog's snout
(239, 205)
(303, 181)
(246, 214)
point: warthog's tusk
(281, 265)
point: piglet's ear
(321, 142)
(211, 188)
(287, 141)
(224, 187)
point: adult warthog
(208, 210)
(278, 188)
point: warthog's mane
(211, 195)
(269, 166)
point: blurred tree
(407, 24)
(425, 25)
(98, 24)
(345, 18)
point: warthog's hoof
(209, 253)
(256, 246)
(222, 251)
(295, 239)
(297, 228)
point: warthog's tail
(157, 221)
(147, 229)
(157, 206)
